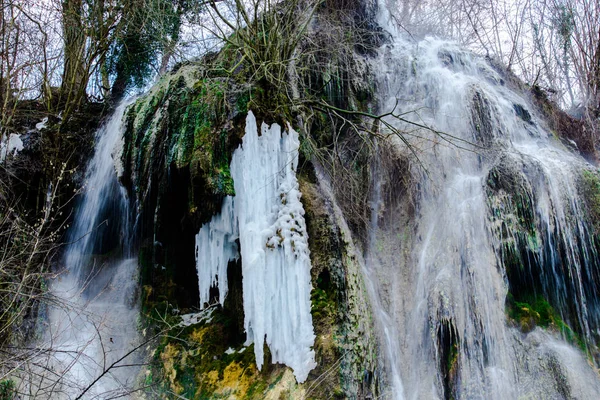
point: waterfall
(440, 286)
(93, 322)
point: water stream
(439, 288)
(93, 324)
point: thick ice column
(274, 247)
(268, 217)
(215, 247)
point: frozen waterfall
(215, 247)
(268, 218)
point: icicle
(215, 247)
(273, 245)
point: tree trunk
(74, 74)
(119, 87)
(596, 78)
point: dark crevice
(448, 343)
(234, 303)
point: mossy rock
(200, 362)
(590, 189)
(537, 311)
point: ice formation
(11, 145)
(215, 247)
(269, 219)
(42, 124)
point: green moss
(323, 304)
(258, 388)
(537, 311)
(452, 359)
(590, 183)
(242, 102)
(222, 182)
(194, 128)
(187, 122)
(513, 219)
(192, 362)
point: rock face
(192, 190)
(175, 162)
(444, 250)
(344, 342)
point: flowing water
(93, 325)
(439, 287)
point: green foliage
(131, 57)
(564, 23)
(7, 390)
(148, 28)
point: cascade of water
(451, 278)
(94, 323)
(390, 344)
(103, 214)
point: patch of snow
(42, 124)
(196, 318)
(12, 145)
